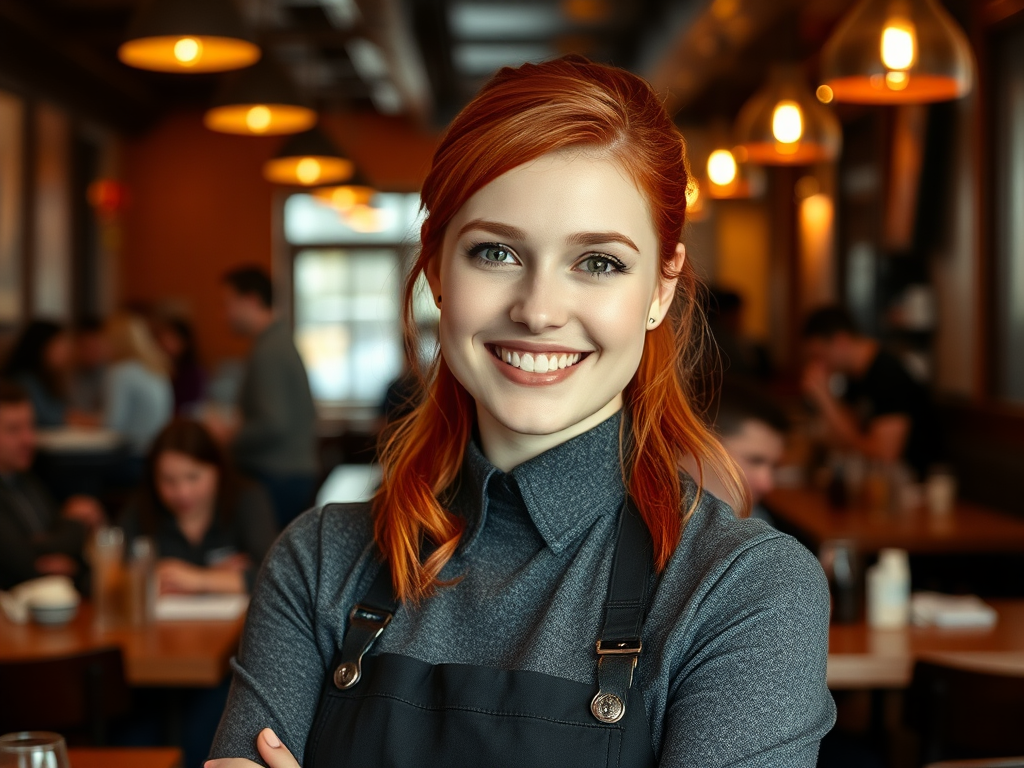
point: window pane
(308, 221)
(347, 321)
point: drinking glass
(33, 749)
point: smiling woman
(538, 581)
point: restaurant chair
(77, 695)
(962, 714)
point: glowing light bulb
(187, 51)
(308, 170)
(257, 119)
(365, 218)
(824, 94)
(722, 167)
(899, 44)
(787, 122)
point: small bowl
(53, 615)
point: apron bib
(394, 711)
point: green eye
(498, 254)
(598, 265)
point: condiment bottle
(888, 588)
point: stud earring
(652, 320)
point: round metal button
(607, 707)
(346, 675)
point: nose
(540, 302)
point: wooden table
(164, 653)
(969, 529)
(124, 757)
(861, 658)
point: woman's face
(549, 278)
(186, 486)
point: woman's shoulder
(331, 534)
(717, 549)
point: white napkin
(938, 610)
(200, 607)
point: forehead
(566, 191)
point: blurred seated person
(41, 361)
(37, 538)
(752, 429)
(139, 400)
(212, 528)
(741, 357)
(90, 366)
(178, 341)
(884, 414)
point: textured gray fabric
(278, 432)
(735, 644)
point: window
(348, 285)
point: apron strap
(619, 646)
(366, 622)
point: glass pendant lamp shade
(898, 52)
(188, 36)
(261, 102)
(345, 197)
(783, 124)
(308, 159)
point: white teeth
(537, 362)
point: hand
(815, 381)
(56, 565)
(86, 510)
(239, 562)
(274, 754)
(178, 577)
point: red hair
(520, 115)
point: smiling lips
(537, 362)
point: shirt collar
(564, 490)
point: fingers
(273, 751)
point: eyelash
(476, 250)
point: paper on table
(200, 607)
(938, 610)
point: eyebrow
(579, 238)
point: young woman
(139, 399)
(178, 341)
(212, 529)
(41, 362)
(554, 589)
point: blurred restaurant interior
(856, 196)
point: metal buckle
(370, 623)
(619, 647)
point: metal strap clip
(365, 625)
(616, 661)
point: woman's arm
(279, 668)
(753, 694)
(177, 576)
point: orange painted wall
(199, 206)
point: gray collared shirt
(735, 644)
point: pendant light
(308, 159)
(344, 197)
(262, 101)
(897, 52)
(727, 174)
(783, 124)
(188, 36)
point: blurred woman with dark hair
(178, 341)
(212, 528)
(41, 362)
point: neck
(506, 449)
(864, 352)
(194, 524)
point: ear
(433, 274)
(666, 289)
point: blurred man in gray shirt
(275, 441)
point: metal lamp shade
(188, 36)
(262, 101)
(308, 159)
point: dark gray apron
(394, 711)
